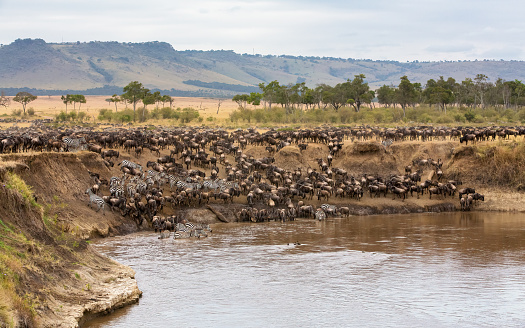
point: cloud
(376, 29)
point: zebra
(387, 143)
(131, 165)
(173, 180)
(116, 186)
(181, 234)
(329, 209)
(75, 144)
(94, 199)
(320, 215)
(142, 187)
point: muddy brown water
(426, 270)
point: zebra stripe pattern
(387, 143)
(131, 165)
(75, 144)
(327, 208)
(94, 199)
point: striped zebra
(130, 165)
(210, 185)
(116, 186)
(320, 215)
(142, 187)
(131, 189)
(74, 144)
(387, 143)
(94, 199)
(173, 181)
(329, 209)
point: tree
(386, 95)
(114, 99)
(81, 99)
(270, 92)
(133, 93)
(165, 99)
(66, 100)
(24, 98)
(241, 100)
(147, 99)
(358, 92)
(481, 88)
(440, 92)
(157, 98)
(405, 94)
(255, 99)
(4, 101)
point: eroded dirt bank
(67, 282)
(51, 277)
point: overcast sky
(363, 29)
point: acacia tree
(167, 99)
(24, 98)
(4, 101)
(133, 93)
(405, 94)
(358, 92)
(241, 100)
(114, 99)
(81, 99)
(157, 98)
(147, 99)
(270, 92)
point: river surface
(430, 270)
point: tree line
(470, 93)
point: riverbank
(46, 232)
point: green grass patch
(16, 183)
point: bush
(31, 111)
(73, 115)
(469, 116)
(105, 114)
(61, 117)
(188, 114)
(459, 118)
(16, 112)
(521, 115)
(81, 116)
(444, 119)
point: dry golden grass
(49, 106)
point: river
(426, 270)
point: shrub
(81, 116)
(469, 116)
(61, 117)
(105, 114)
(16, 112)
(459, 118)
(188, 114)
(521, 115)
(73, 115)
(31, 111)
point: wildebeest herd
(194, 166)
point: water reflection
(448, 270)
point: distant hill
(106, 67)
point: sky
(400, 30)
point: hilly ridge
(103, 67)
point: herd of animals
(196, 165)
